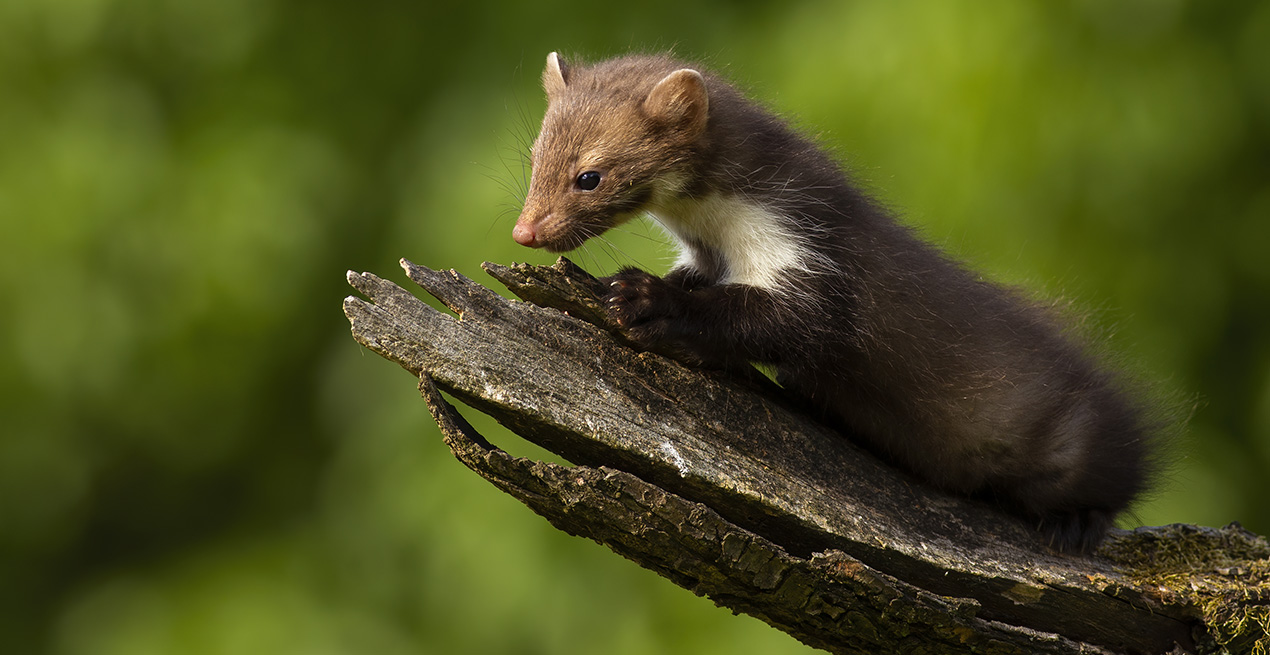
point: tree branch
(720, 485)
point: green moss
(1224, 574)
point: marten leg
(1076, 531)
(721, 325)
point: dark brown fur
(958, 380)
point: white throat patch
(757, 246)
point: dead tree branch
(720, 485)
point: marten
(784, 261)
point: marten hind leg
(1078, 531)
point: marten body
(783, 261)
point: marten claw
(637, 298)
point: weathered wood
(722, 486)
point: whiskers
(600, 255)
(515, 162)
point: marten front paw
(643, 304)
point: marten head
(616, 136)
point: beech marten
(783, 261)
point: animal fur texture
(963, 382)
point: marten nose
(525, 234)
(528, 230)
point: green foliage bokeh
(196, 458)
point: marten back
(783, 261)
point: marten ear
(554, 75)
(680, 98)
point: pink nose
(525, 235)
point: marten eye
(588, 181)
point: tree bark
(720, 484)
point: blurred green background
(196, 457)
